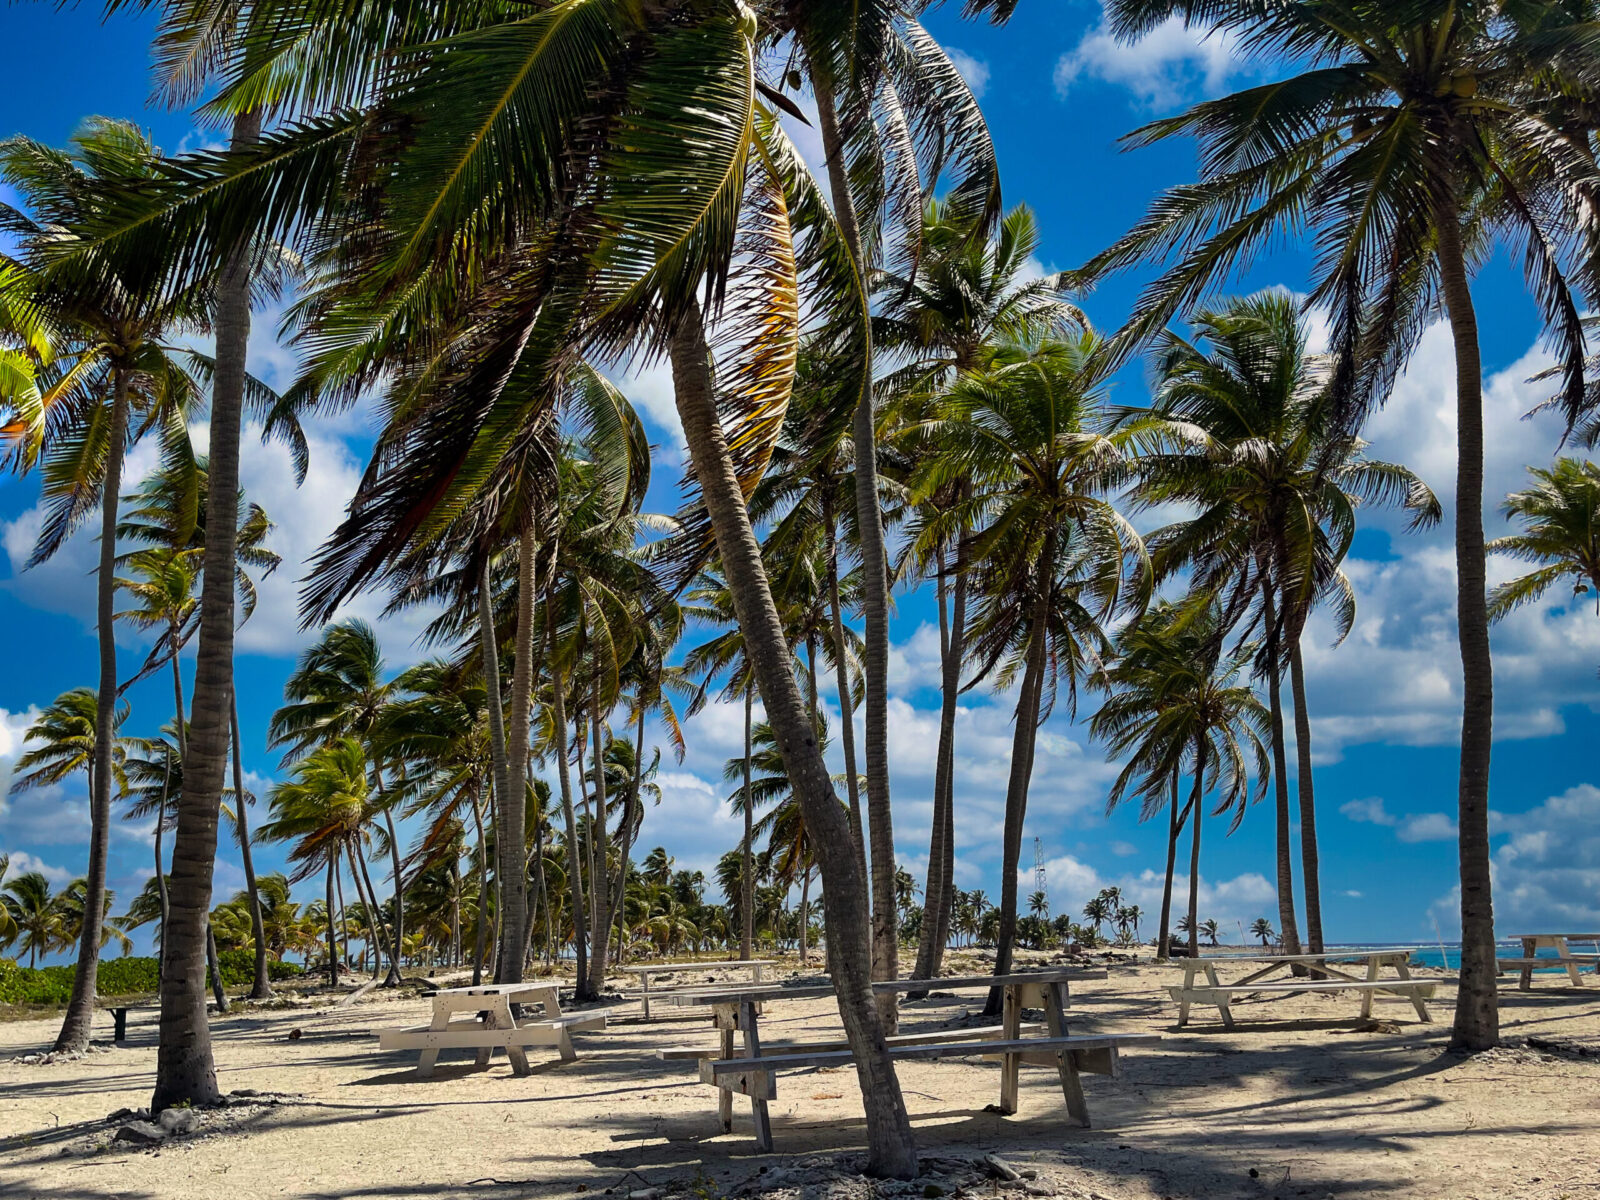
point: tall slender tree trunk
(937, 894)
(261, 984)
(185, 1070)
(161, 861)
(1287, 923)
(564, 779)
(747, 870)
(1174, 827)
(599, 835)
(841, 670)
(333, 938)
(380, 939)
(1197, 815)
(891, 1149)
(630, 817)
(397, 943)
(1477, 1019)
(511, 823)
(74, 1035)
(805, 914)
(874, 588)
(481, 925)
(1310, 862)
(1023, 739)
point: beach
(1301, 1098)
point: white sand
(1313, 1106)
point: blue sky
(1385, 705)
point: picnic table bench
(1332, 979)
(756, 967)
(1532, 943)
(753, 1072)
(493, 1026)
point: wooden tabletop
(498, 989)
(1330, 956)
(715, 965)
(776, 991)
(1571, 937)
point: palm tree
(155, 778)
(34, 917)
(1413, 137)
(114, 378)
(168, 512)
(1175, 704)
(942, 320)
(1209, 928)
(1262, 928)
(1098, 911)
(1053, 560)
(337, 692)
(1560, 518)
(1274, 482)
(321, 810)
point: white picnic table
(738, 1010)
(492, 1025)
(1532, 943)
(1329, 978)
(645, 971)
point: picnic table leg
(725, 1023)
(1572, 967)
(1010, 1064)
(430, 1056)
(1055, 1011)
(1366, 996)
(757, 972)
(1222, 1001)
(645, 978)
(518, 1055)
(1188, 986)
(1530, 948)
(752, 1049)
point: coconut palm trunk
(1196, 814)
(1174, 828)
(333, 936)
(185, 1070)
(480, 926)
(558, 704)
(261, 983)
(841, 670)
(891, 1148)
(1310, 860)
(630, 818)
(1477, 1018)
(874, 590)
(747, 871)
(74, 1035)
(600, 952)
(1022, 745)
(397, 943)
(936, 893)
(1287, 924)
(511, 819)
(161, 862)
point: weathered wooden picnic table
(493, 1026)
(756, 967)
(753, 1073)
(1331, 979)
(1532, 943)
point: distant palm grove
(482, 214)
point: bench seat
(1206, 992)
(932, 1037)
(1582, 960)
(474, 1034)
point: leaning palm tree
(1262, 928)
(115, 378)
(320, 811)
(1053, 559)
(1560, 519)
(1407, 139)
(967, 295)
(1273, 483)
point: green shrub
(121, 977)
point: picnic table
(752, 1070)
(756, 966)
(1532, 943)
(493, 1025)
(1330, 979)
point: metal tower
(1041, 878)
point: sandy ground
(1297, 1101)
